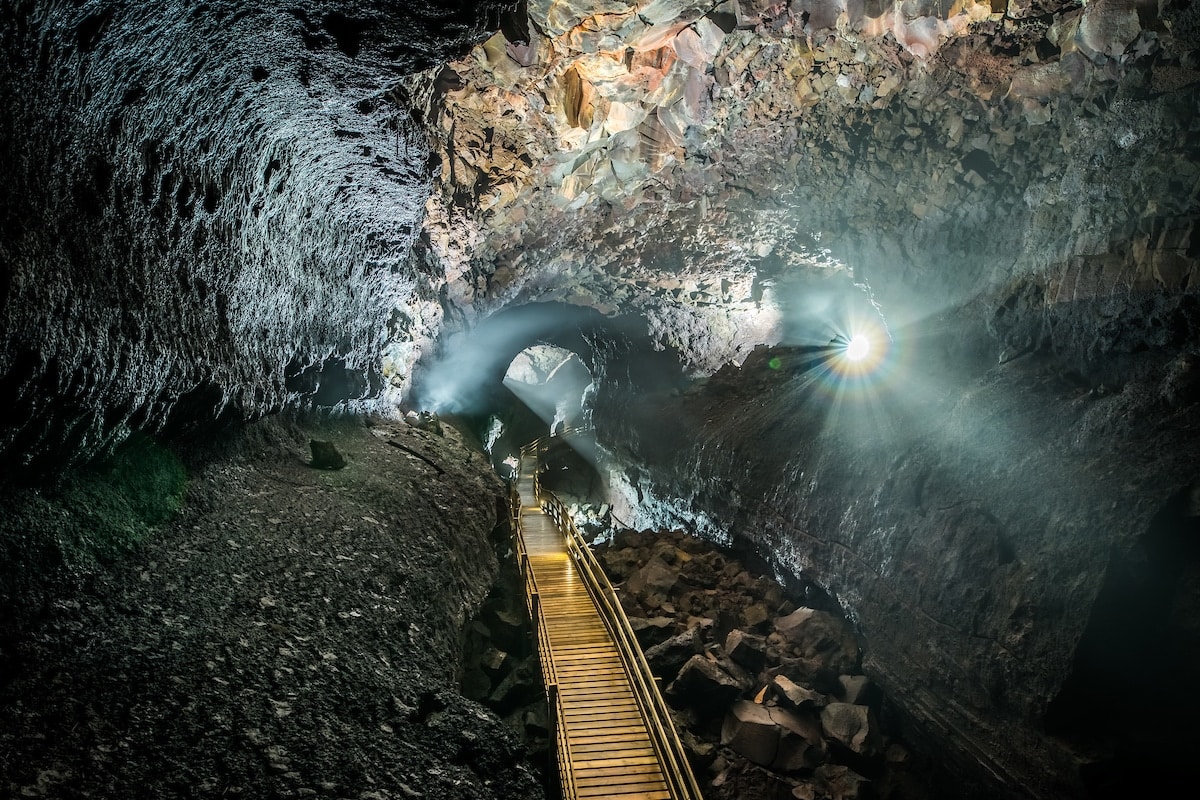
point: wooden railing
(554, 717)
(672, 759)
(540, 444)
(671, 756)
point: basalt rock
(177, 250)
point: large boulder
(747, 650)
(656, 577)
(837, 782)
(703, 685)
(859, 690)
(822, 637)
(652, 631)
(795, 695)
(808, 672)
(852, 727)
(668, 658)
(772, 737)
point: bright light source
(858, 348)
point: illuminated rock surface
(211, 212)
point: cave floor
(293, 632)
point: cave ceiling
(707, 165)
(218, 209)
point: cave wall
(980, 526)
(689, 160)
(203, 205)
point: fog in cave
(876, 327)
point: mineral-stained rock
(854, 727)
(703, 685)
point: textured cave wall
(997, 538)
(202, 206)
(1014, 187)
(687, 160)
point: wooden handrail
(545, 653)
(671, 756)
(540, 444)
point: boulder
(820, 636)
(325, 455)
(747, 649)
(797, 696)
(668, 658)
(755, 616)
(656, 577)
(652, 631)
(853, 727)
(859, 690)
(807, 672)
(772, 737)
(750, 730)
(703, 685)
(836, 782)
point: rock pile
(769, 697)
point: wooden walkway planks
(610, 749)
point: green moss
(96, 515)
(119, 502)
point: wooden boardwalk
(607, 748)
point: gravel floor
(293, 632)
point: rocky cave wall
(1012, 187)
(974, 526)
(213, 208)
(691, 160)
(206, 208)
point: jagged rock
(494, 659)
(755, 616)
(656, 578)
(807, 672)
(797, 696)
(325, 455)
(747, 649)
(750, 730)
(703, 685)
(1107, 27)
(668, 658)
(653, 631)
(854, 727)
(508, 629)
(517, 689)
(772, 737)
(821, 637)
